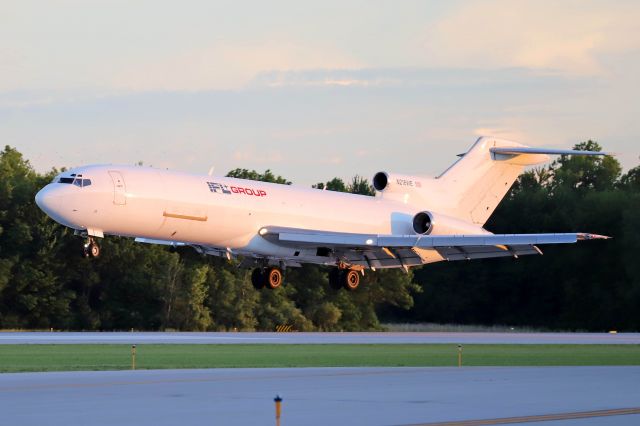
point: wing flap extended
(485, 252)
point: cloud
(568, 36)
(409, 77)
(224, 66)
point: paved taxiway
(317, 338)
(321, 396)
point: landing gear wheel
(273, 278)
(258, 278)
(334, 279)
(94, 249)
(350, 279)
(90, 248)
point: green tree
(590, 286)
(232, 299)
(335, 184)
(586, 172)
(267, 176)
(33, 289)
(631, 181)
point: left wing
(384, 251)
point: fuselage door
(119, 188)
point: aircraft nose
(48, 201)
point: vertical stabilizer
(479, 180)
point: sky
(313, 90)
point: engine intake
(429, 223)
(380, 181)
(423, 223)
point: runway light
(459, 355)
(133, 357)
(278, 401)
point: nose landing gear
(90, 248)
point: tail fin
(479, 180)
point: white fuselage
(220, 212)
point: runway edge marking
(537, 418)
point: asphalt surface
(317, 338)
(322, 396)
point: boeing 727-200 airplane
(411, 221)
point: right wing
(384, 251)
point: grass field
(17, 358)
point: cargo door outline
(119, 188)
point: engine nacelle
(429, 223)
(423, 223)
(387, 182)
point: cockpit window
(82, 182)
(77, 181)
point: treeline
(44, 282)
(592, 285)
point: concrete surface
(323, 396)
(317, 338)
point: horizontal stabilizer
(517, 150)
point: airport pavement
(321, 396)
(317, 338)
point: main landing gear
(270, 278)
(90, 248)
(344, 278)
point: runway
(316, 338)
(321, 396)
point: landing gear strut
(270, 278)
(344, 278)
(90, 248)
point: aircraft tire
(351, 279)
(273, 278)
(258, 278)
(94, 249)
(335, 279)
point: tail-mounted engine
(383, 181)
(429, 223)
(423, 223)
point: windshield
(76, 180)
